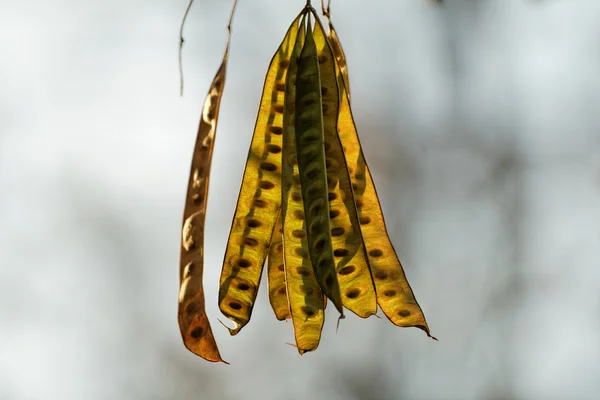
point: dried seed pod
(394, 294)
(260, 196)
(354, 275)
(306, 300)
(312, 169)
(340, 57)
(276, 274)
(193, 323)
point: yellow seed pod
(260, 196)
(306, 300)
(312, 169)
(276, 274)
(340, 57)
(354, 275)
(394, 294)
(193, 323)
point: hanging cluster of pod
(307, 205)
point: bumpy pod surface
(312, 169)
(260, 196)
(193, 322)
(276, 273)
(394, 294)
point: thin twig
(229, 29)
(181, 41)
(231, 16)
(187, 10)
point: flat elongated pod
(276, 274)
(193, 323)
(304, 293)
(394, 294)
(260, 197)
(354, 274)
(340, 57)
(312, 170)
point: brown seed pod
(193, 323)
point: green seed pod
(312, 169)
(306, 300)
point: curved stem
(181, 41)
(229, 28)
(231, 16)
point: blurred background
(479, 118)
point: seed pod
(306, 300)
(354, 275)
(340, 57)
(394, 294)
(260, 196)
(193, 323)
(276, 274)
(312, 170)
